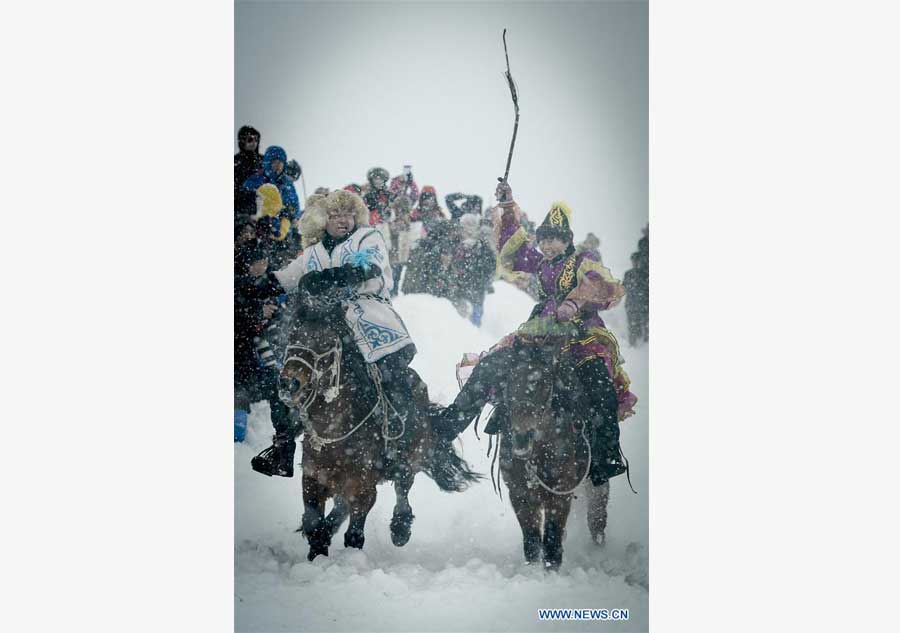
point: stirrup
(269, 462)
(264, 463)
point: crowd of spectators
(445, 253)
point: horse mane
(322, 309)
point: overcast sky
(347, 86)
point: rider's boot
(397, 381)
(489, 373)
(278, 459)
(607, 460)
(399, 393)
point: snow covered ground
(463, 569)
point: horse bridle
(286, 389)
(287, 386)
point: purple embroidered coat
(576, 277)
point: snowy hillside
(463, 568)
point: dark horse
(352, 437)
(545, 448)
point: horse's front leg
(313, 525)
(528, 512)
(556, 514)
(360, 498)
(401, 521)
(337, 515)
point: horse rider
(574, 288)
(346, 260)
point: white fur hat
(315, 216)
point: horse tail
(448, 470)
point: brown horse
(545, 449)
(353, 438)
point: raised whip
(515, 99)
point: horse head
(312, 359)
(531, 389)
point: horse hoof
(599, 540)
(401, 529)
(553, 566)
(316, 551)
(354, 540)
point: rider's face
(339, 224)
(552, 246)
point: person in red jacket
(427, 211)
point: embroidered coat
(377, 328)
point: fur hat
(269, 205)
(313, 220)
(557, 223)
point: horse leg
(361, 501)
(528, 512)
(598, 499)
(556, 513)
(313, 524)
(337, 516)
(401, 521)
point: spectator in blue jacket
(273, 171)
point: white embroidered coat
(377, 328)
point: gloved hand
(504, 193)
(318, 281)
(566, 310)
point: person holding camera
(405, 184)
(255, 365)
